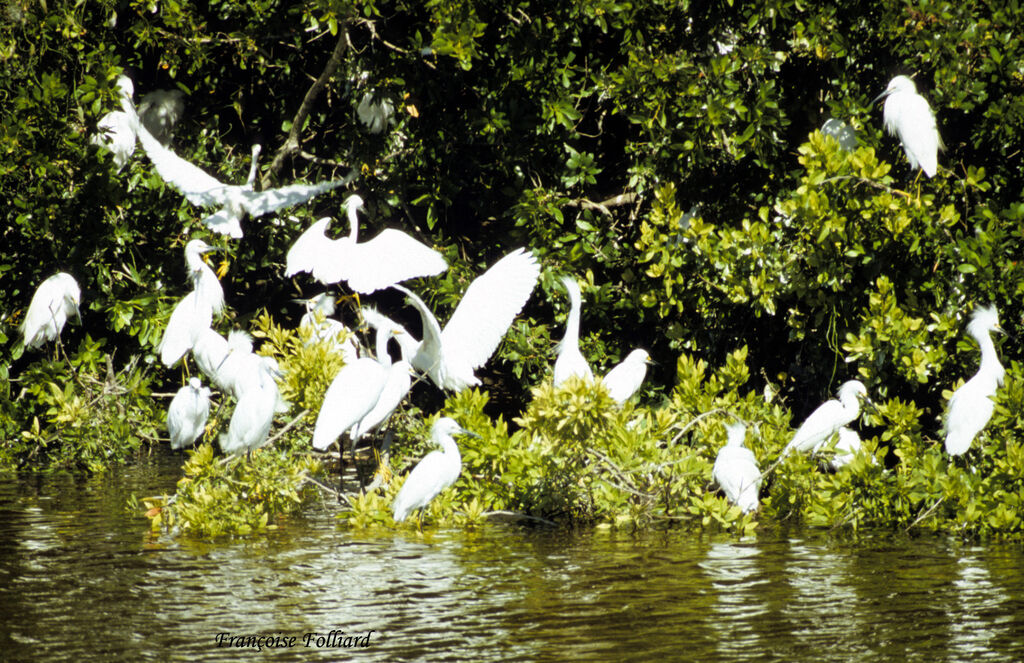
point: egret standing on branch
(736, 470)
(478, 324)
(186, 417)
(189, 318)
(54, 301)
(254, 412)
(570, 360)
(437, 470)
(971, 405)
(829, 418)
(908, 115)
(204, 281)
(389, 258)
(625, 379)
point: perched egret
(736, 470)
(186, 417)
(160, 110)
(570, 360)
(846, 448)
(204, 281)
(437, 470)
(189, 318)
(116, 130)
(326, 329)
(374, 114)
(210, 350)
(352, 394)
(971, 405)
(397, 382)
(478, 324)
(625, 379)
(55, 299)
(235, 200)
(389, 258)
(908, 116)
(254, 412)
(829, 418)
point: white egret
(397, 383)
(389, 258)
(352, 394)
(830, 416)
(189, 318)
(54, 301)
(908, 116)
(234, 200)
(254, 412)
(625, 379)
(847, 447)
(116, 130)
(478, 324)
(971, 405)
(326, 329)
(437, 470)
(204, 280)
(736, 470)
(160, 110)
(210, 350)
(186, 417)
(570, 360)
(374, 114)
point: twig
(287, 427)
(693, 421)
(864, 180)
(926, 513)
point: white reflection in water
(975, 624)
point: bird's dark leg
(341, 468)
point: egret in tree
(437, 470)
(116, 130)
(971, 405)
(186, 417)
(625, 379)
(387, 259)
(204, 281)
(847, 447)
(736, 470)
(189, 318)
(908, 116)
(254, 412)
(374, 114)
(160, 110)
(54, 301)
(478, 324)
(397, 383)
(234, 200)
(570, 360)
(829, 418)
(326, 329)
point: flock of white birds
(370, 386)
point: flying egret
(625, 379)
(829, 417)
(189, 318)
(234, 200)
(116, 130)
(437, 470)
(971, 405)
(736, 470)
(570, 360)
(389, 258)
(159, 111)
(254, 412)
(374, 114)
(908, 116)
(326, 329)
(204, 281)
(186, 417)
(54, 301)
(478, 324)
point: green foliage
(234, 494)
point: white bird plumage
(374, 114)
(971, 405)
(160, 110)
(398, 380)
(437, 470)
(204, 280)
(56, 299)
(187, 414)
(736, 470)
(830, 416)
(486, 311)
(908, 116)
(847, 447)
(189, 318)
(352, 394)
(116, 130)
(570, 360)
(326, 329)
(389, 258)
(254, 412)
(625, 379)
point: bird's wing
(824, 421)
(351, 395)
(258, 203)
(197, 186)
(918, 133)
(310, 249)
(424, 482)
(487, 309)
(225, 221)
(389, 258)
(395, 388)
(430, 346)
(735, 470)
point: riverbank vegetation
(666, 154)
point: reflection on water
(82, 579)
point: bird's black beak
(880, 97)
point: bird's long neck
(851, 406)
(383, 334)
(353, 222)
(990, 364)
(409, 345)
(450, 448)
(253, 165)
(572, 323)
